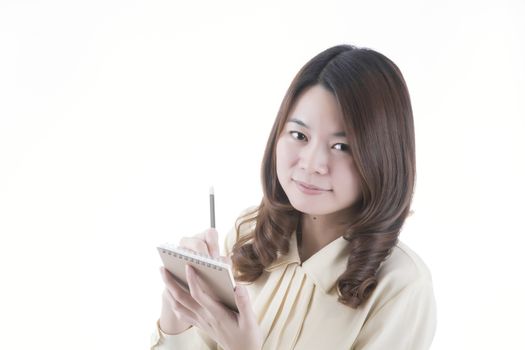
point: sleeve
(405, 322)
(191, 338)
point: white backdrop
(117, 116)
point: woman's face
(314, 164)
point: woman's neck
(316, 231)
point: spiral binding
(192, 259)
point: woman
(319, 257)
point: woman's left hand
(231, 330)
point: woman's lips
(308, 188)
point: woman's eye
(341, 147)
(298, 135)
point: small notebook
(216, 274)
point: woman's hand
(231, 330)
(206, 242)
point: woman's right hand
(206, 242)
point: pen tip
(211, 190)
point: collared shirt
(297, 308)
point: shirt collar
(292, 257)
(324, 267)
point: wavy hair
(377, 112)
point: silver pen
(212, 207)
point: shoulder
(405, 262)
(401, 312)
(403, 270)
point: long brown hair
(377, 113)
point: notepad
(217, 275)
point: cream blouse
(297, 308)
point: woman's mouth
(309, 188)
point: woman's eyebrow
(301, 123)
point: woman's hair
(377, 113)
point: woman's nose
(314, 159)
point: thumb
(242, 299)
(211, 237)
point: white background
(117, 116)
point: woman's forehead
(317, 107)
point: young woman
(319, 260)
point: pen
(212, 207)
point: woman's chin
(316, 209)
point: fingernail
(238, 290)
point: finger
(212, 241)
(178, 293)
(194, 314)
(242, 299)
(166, 296)
(196, 244)
(180, 311)
(184, 305)
(226, 259)
(202, 235)
(215, 310)
(185, 315)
